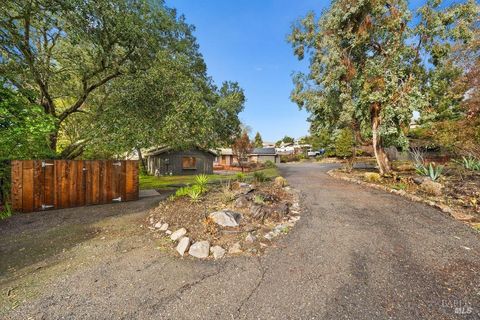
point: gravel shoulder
(356, 253)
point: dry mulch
(193, 215)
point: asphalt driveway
(356, 253)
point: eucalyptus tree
(372, 65)
(67, 50)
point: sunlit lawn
(152, 182)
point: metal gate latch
(117, 163)
(119, 199)
(44, 164)
(45, 206)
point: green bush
(259, 176)
(344, 143)
(269, 164)
(240, 177)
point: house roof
(263, 151)
(164, 149)
(225, 151)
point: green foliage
(240, 177)
(269, 164)
(432, 171)
(115, 75)
(259, 176)
(258, 142)
(201, 181)
(24, 127)
(258, 199)
(194, 193)
(344, 143)
(6, 211)
(373, 63)
(470, 163)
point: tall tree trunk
(143, 165)
(380, 155)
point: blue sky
(245, 41)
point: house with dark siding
(168, 161)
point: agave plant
(432, 171)
(471, 163)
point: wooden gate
(54, 184)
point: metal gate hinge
(117, 163)
(45, 206)
(44, 164)
(119, 199)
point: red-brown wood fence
(54, 184)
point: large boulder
(199, 249)
(226, 218)
(183, 245)
(178, 234)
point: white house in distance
(226, 157)
(292, 148)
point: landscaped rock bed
(232, 219)
(456, 192)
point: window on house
(189, 163)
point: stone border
(468, 219)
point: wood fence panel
(17, 186)
(49, 184)
(40, 185)
(27, 177)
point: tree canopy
(258, 142)
(373, 63)
(114, 74)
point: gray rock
(164, 227)
(183, 245)
(418, 180)
(235, 248)
(199, 249)
(242, 202)
(178, 234)
(158, 225)
(218, 252)
(226, 218)
(250, 238)
(168, 232)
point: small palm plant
(194, 193)
(201, 181)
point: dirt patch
(263, 207)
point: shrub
(280, 181)
(240, 177)
(269, 164)
(182, 192)
(344, 143)
(259, 176)
(372, 177)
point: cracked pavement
(356, 253)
